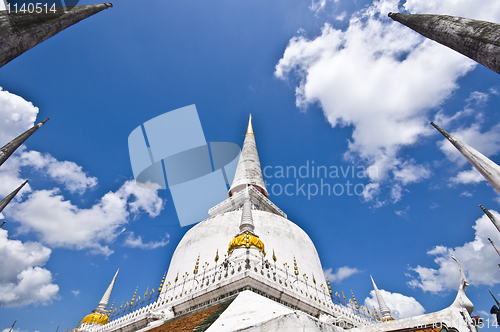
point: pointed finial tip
(442, 131)
(250, 129)
(109, 5)
(42, 123)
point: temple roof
(198, 320)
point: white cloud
(401, 306)
(488, 10)
(59, 223)
(478, 258)
(410, 172)
(471, 176)
(378, 76)
(320, 5)
(22, 279)
(403, 213)
(66, 173)
(75, 292)
(341, 274)
(396, 193)
(136, 242)
(341, 16)
(16, 116)
(494, 90)
(386, 81)
(371, 191)
(477, 99)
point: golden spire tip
(250, 130)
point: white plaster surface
(278, 234)
(248, 170)
(248, 309)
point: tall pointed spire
(488, 169)
(10, 147)
(20, 32)
(101, 309)
(494, 246)
(9, 197)
(248, 171)
(384, 309)
(246, 224)
(475, 39)
(491, 216)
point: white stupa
(248, 267)
(249, 244)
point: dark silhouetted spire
(9, 197)
(491, 216)
(478, 40)
(20, 32)
(488, 169)
(10, 147)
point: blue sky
(336, 83)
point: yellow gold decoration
(355, 303)
(295, 266)
(250, 129)
(216, 256)
(196, 265)
(246, 240)
(96, 319)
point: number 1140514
(30, 8)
